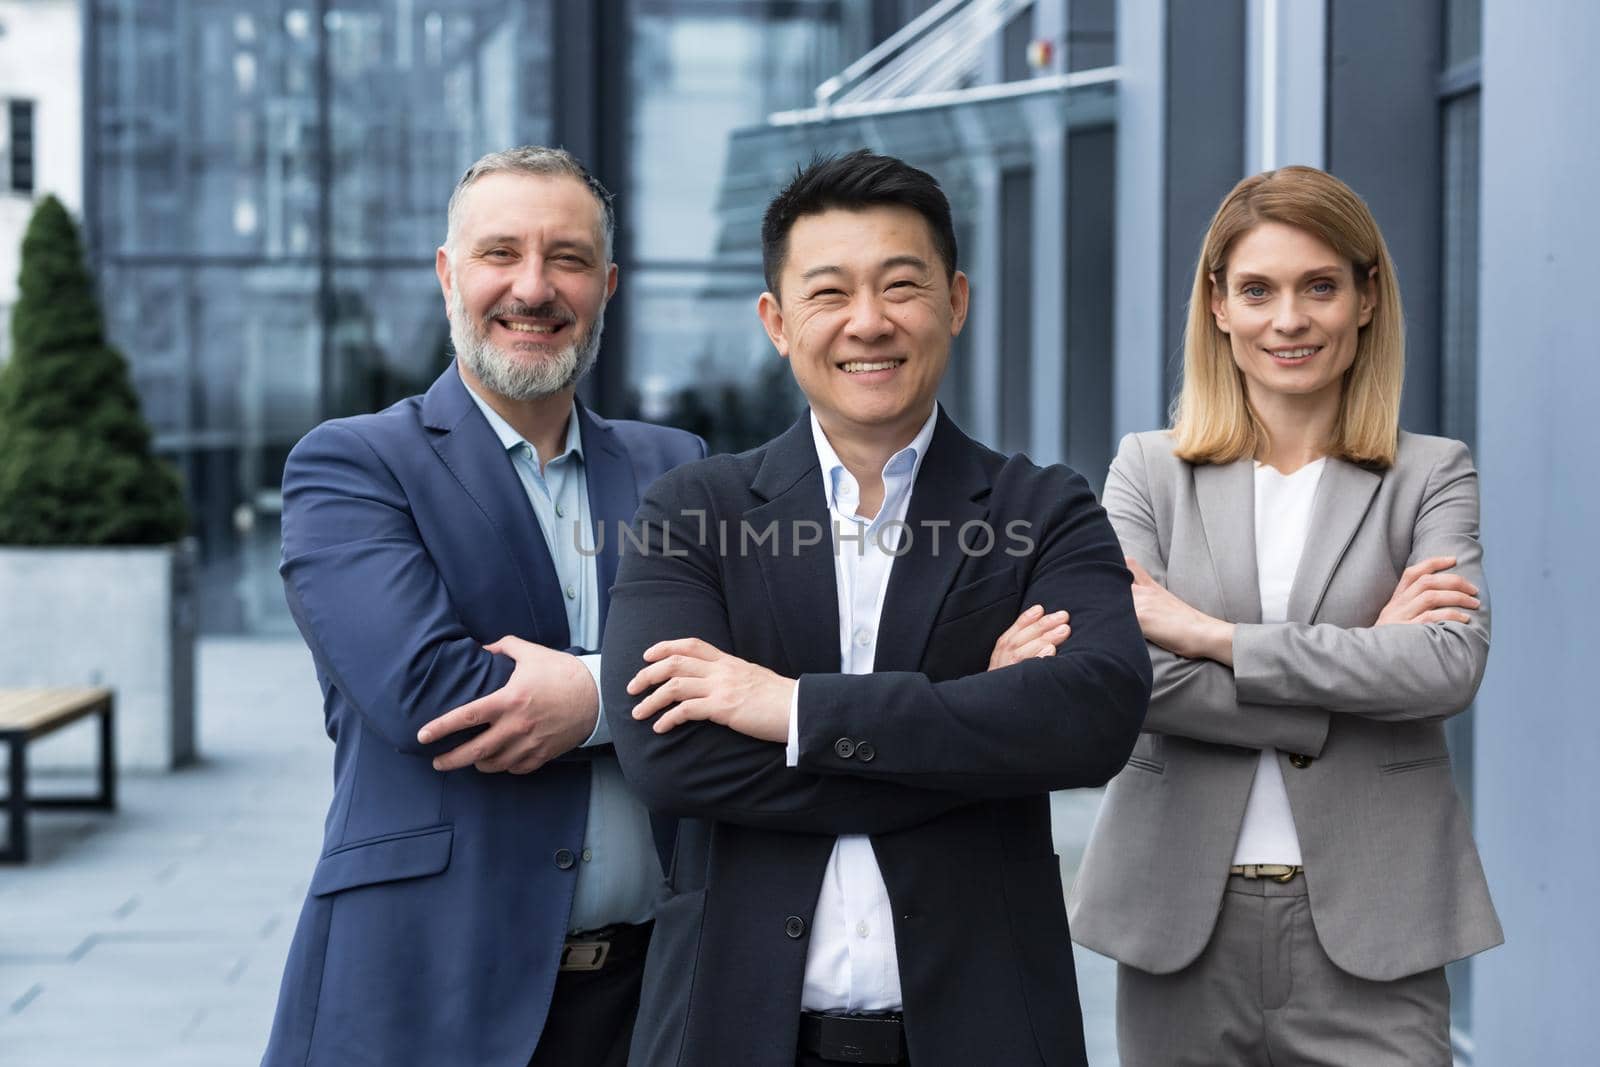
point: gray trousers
(1264, 994)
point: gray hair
(537, 160)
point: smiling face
(865, 318)
(1293, 309)
(525, 280)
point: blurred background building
(262, 184)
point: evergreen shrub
(76, 466)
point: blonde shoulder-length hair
(1212, 421)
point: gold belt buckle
(584, 955)
(1278, 872)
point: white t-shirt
(1283, 519)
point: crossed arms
(1046, 722)
(1276, 685)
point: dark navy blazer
(947, 766)
(437, 911)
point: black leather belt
(878, 1038)
(593, 949)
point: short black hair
(860, 179)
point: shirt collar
(510, 438)
(901, 469)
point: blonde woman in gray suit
(1284, 867)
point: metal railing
(938, 51)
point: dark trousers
(811, 1059)
(592, 1012)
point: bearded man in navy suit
(486, 884)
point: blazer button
(1300, 761)
(564, 858)
(795, 927)
(844, 748)
(865, 752)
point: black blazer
(946, 766)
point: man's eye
(826, 293)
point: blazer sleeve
(668, 586)
(1197, 698)
(1061, 722)
(1391, 673)
(367, 597)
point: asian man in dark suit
(483, 898)
(796, 664)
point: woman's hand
(1174, 625)
(1034, 634)
(1425, 594)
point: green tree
(76, 466)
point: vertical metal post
(328, 407)
(108, 754)
(17, 802)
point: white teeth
(1294, 353)
(528, 327)
(863, 368)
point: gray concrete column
(1538, 730)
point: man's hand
(695, 680)
(548, 707)
(1427, 595)
(1034, 634)
(1169, 622)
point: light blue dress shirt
(619, 871)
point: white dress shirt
(1283, 520)
(851, 963)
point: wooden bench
(28, 714)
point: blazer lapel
(1226, 494)
(613, 498)
(1343, 495)
(474, 455)
(800, 582)
(951, 487)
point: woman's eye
(1322, 288)
(1254, 292)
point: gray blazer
(1394, 879)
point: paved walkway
(154, 937)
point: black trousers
(811, 1059)
(592, 1012)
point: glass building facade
(265, 183)
(265, 188)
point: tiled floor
(154, 937)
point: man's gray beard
(509, 376)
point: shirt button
(844, 748)
(564, 859)
(588, 854)
(795, 927)
(1299, 761)
(572, 593)
(862, 930)
(561, 511)
(863, 637)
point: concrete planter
(123, 617)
